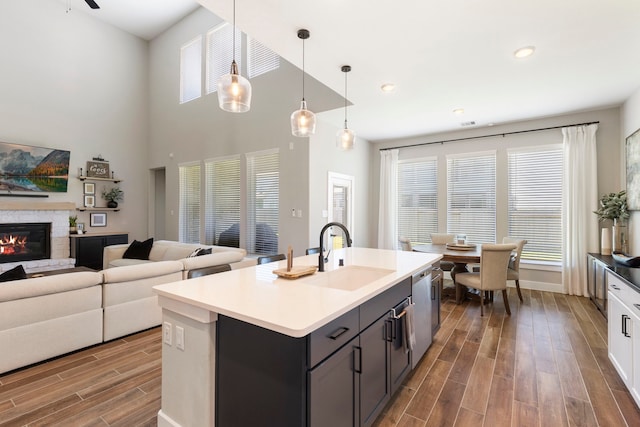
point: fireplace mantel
(26, 206)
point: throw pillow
(204, 251)
(139, 250)
(194, 253)
(16, 273)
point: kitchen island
(248, 348)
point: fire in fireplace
(25, 242)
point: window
(263, 202)
(535, 201)
(418, 199)
(260, 59)
(191, 70)
(471, 196)
(222, 201)
(189, 218)
(220, 55)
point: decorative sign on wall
(98, 169)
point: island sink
(349, 278)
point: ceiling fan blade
(92, 4)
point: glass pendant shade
(234, 91)
(303, 121)
(345, 139)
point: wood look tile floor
(545, 365)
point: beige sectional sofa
(49, 316)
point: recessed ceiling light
(458, 111)
(523, 52)
(388, 87)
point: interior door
(340, 202)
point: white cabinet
(624, 332)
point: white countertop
(293, 307)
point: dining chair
(310, 251)
(513, 273)
(443, 239)
(494, 260)
(271, 258)
(405, 244)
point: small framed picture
(98, 169)
(89, 188)
(89, 201)
(80, 227)
(98, 219)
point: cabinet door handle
(357, 359)
(637, 306)
(624, 325)
(388, 327)
(615, 287)
(433, 292)
(338, 332)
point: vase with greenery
(73, 224)
(112, 196)
(613, 206)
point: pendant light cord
(303, 69)
(345, 100)
(234, 30)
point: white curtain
(387, 238)
(580, 199)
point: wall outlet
(166, 333)
(180, 338)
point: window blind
(471, 196)
(263, 202)
(191, 70)
(418, 199)
(260, 59)
(535, 201)
(222, 201)
(220, 55)
(189, 215)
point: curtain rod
(503, 134)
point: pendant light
(345, 137)
(234, 91)
(303, 121)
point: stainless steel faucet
(347, 236)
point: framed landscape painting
(633, 171)
(27, 168)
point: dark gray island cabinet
(247, 348)
(342, 374)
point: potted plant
(73, 224)
(613, 206)
(112, 196)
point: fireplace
(25, 242)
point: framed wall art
(89, 188)
(89, 201)
(98, 219)
(633, 171)
(98, 169)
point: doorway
(157, 213)
(340, 202)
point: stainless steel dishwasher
(421, 295)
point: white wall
(325, 157)
(610, 177)
(630, 122)
(199, 130)
(70, 82)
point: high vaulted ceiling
(445, 55)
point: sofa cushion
(123, 262)
(139, 250)
(16, 273)
(215, 258)
(37, 286)
(141, 271)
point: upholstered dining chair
(513, 273)
(270, 258)
(492, 275)
(405, 244)
(443, 239)
(311, 251)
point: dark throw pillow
(16, 273)
(203, 251)
(139, 250)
